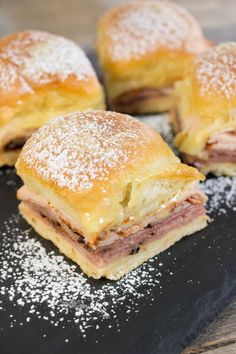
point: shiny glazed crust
(146, 44)
(206, 99)
(41, 75)
(119, 267)
(102, 168)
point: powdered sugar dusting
(10, 78)
(221, 192)
(40, 58)
(141, 27)
(33, 278)
(216, 71)
(60, 151)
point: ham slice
(131, 244)
(184, 213)
(223, 141)
(220, 148)
(129, 99)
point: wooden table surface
(77, 19)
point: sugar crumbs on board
(35, 279)
(221, 192)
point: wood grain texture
(219, 336)
(77, 19)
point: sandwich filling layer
(220, 147)
(116, 245)
(129, 100)
(16, 142)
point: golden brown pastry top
(134, 30)
(146, 44)
(206, 98)
(33, 60)
(91, 161)
(80, 151)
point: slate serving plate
(203, 278)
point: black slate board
(204, 277)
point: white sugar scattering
(40, 58)
(48, 287)
(221, 192)
(216, 71)
(57, 56)
(9, 78)
(59, 151)
(146, 26)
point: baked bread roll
(41, 76)
(205, 114)
(107, 191)
(143, 48)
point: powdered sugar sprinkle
(32, 277)
(10, 78)
(221, 192)
(140, 27)
(216, 71)
(40, 58)
(60, 151)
